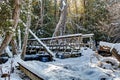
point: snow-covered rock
(111, 45)
(117, 47)
(105, 44)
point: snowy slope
(86, 67)
(74, 68)
(7, 67)
(117, 47)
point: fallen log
(47, 48)
(115, 53)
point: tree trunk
(61, 24)
(27, 30)
(76, 10)
(9, 35)
(19, 40)
(14, 46)
(7, 50)
(42, 12)
(55, 12)
(5, 42)
(40, 21)
(47, 49)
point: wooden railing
(67, 41)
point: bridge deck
(31, 73)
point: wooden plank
(66, 36)
(44, 45)
(29, 73)
(115, 53)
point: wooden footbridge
(66, 43)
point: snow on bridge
(63, 43)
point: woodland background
(47, 18)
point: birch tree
(19, 40)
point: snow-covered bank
(79, 68)
(6, 69)
(86, 67)
(111, 45)
(106, 44)
(117, 47)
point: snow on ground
(86, 67)
(79, 68)
(17, 75)
(105, 44)
(6, 68)
(117, 47)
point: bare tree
(26, 30)
(41, 6)
(60, 28)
